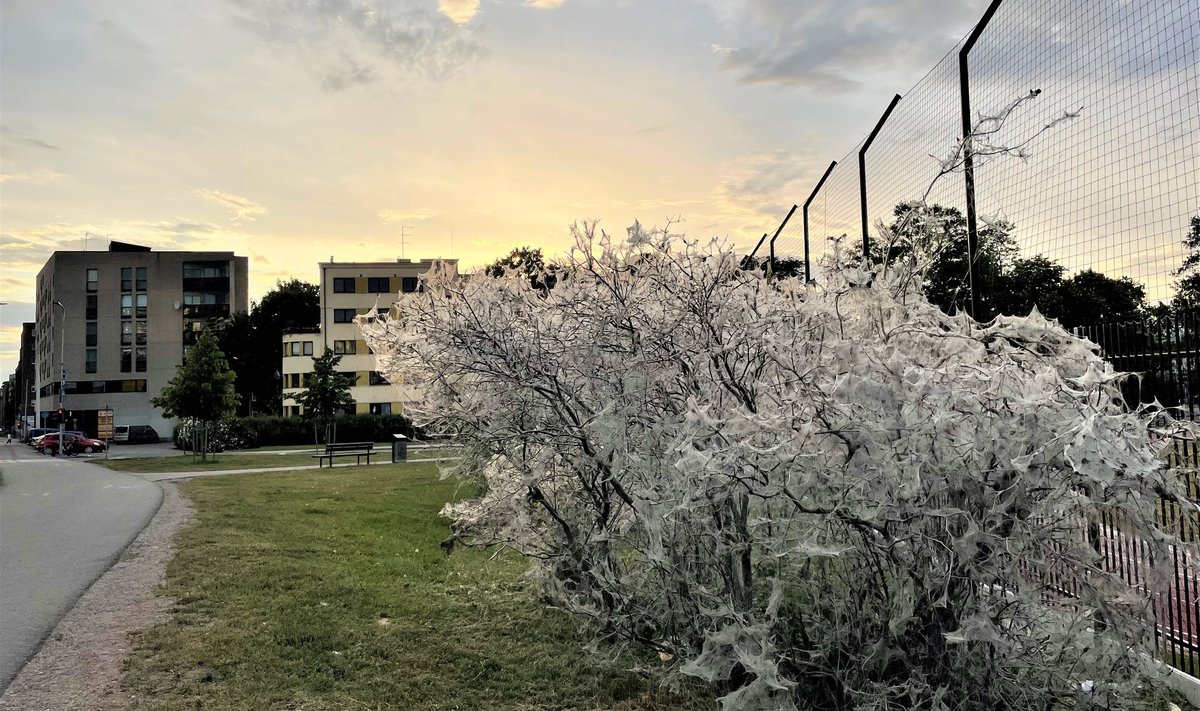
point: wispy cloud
(346, 43)
(45, 175)
(827, 45)
(243, 209)
(545, 4)
(393, 215)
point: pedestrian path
(171, 476)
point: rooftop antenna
(402, 241)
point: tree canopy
(202, 389)
(326, 393)
(252, 340)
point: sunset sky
(290, 131)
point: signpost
(104, 427)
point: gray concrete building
(119, 323)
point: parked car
(135, 434)
(34, 432)
(73, 443)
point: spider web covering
(830, 495)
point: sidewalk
(171, 476)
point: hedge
(259, 431)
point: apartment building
(114, 326)
(347, 290)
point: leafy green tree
(201, 391)
(944, 232)
(1187, 293)
(251, 340)
(527, 261)
(326, 393)
(1031, 282)
(1090, 297)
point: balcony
(206, 311)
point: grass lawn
(327, 590)
(245, 460)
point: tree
(1187, 290)
(1090, 297)
(327, 392)
(251, 340)
(837, 496)
(1032, 282)
(201, 391)
(933, 239)
(529, 263)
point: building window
(127, 333)
(89, 361)
(381, 408)
(408, 285)
(90, 334)
(141, 360)
(126, 306)
(308, 348)
(343, 285)
(91, 308)
(377, 379)
(378, 285)
(141, 333)
(141, 279)
(141, 305)
(343, 315)
(200, 270)
(126, 278)
(93, 279)
(344, 347)
(126, 360)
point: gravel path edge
(79, 666)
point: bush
(231, 433)
(250, 432)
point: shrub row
(259, 431)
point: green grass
(243, 460)
(284, 581)
(223, 461)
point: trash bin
(399, 448)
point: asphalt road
(62, 524)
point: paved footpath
(63, 522)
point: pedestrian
(9, 440)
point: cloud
(828, 45)
(393, 215)
(459, 12)
(243, 209)
(10, 134)
(45, 175)
(544, 4)
(347, 43)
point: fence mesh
(1111, 190)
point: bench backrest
(343, 446)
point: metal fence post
(776, 236)
(964, 87)
(862, 175)
(807, 258)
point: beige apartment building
(120, 321)
(347, 290)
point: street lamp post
(62, 375)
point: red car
(72, 444)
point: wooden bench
(358, 450)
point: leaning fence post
(862, 175)
(964, 88)
(807, 258)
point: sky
(293, 131)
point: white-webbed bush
(825, 497)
